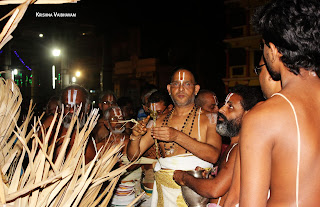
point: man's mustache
(222, 116)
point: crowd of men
(272, 158)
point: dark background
(177, 33)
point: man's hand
(141, 128)
(178, 176)
(166, 134)
(205, 173)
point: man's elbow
(130, 154)
(216, 193)
(210, 192)
(213, 157)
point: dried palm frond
(5, 2)
(67, 181)
(17, 14)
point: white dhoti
(166, 192)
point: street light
(78, 74)
(13, 73)
(74, 79)
(55, 53)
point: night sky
(178, 33)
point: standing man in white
(185, 137)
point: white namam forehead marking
(181, 76)
(215, 99)
(228, 98)
(74, 97)
(110, 98)
(117, 113)
(153, 106)
(212, 118)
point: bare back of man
(279, 138)
(275, 119)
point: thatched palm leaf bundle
(67, 181)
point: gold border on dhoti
(165, 178)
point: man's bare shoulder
(269, 116)
(47, 122)
(208, 118)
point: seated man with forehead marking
(106, 100)
(184, 138)
(129, 182)
(239, 101)
(72, 97)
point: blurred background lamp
(56, 52)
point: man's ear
(274, 51)
(170, 107)
(196, 89)
(88, 107)
(100, 106)
(169, 89)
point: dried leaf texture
(67, 181)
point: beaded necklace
(171, 148)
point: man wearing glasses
(268, 87)
(184, 138)
(279, 139)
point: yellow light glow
(78, 74)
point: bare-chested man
(279, 139)
(159, 103)
(72, 97)
(208, 101)
(110, 120)
(187, 138)
(268, 87)
(238, 102)
(125, 191)
(100, 132)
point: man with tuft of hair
(279, 139)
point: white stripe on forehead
(69, 96)
(228, 98)
(74, 97)
(110, 98)
(181, 76)
(117, 114)
(215, 99)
